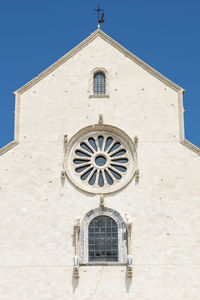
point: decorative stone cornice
(139, 61)
(8, 147)
(16, 127)
(190, 146)
(181, 111)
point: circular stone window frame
(98, 130)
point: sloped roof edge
(8, 147)
(191, 146)
(85, 42)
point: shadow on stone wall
(128, 281)
(75, 282)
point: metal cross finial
(100, 18)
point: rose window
(100, 161)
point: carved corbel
(63, 174)
(76, 243)
(100, 119)
(76, 267)
(136, 140)
(129, 256)
(101, 201)
(63, 171)
(65, 139)
(129, 266)
(137, 175)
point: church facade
(100, 190)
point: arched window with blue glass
(99, 87)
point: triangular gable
(99, 33)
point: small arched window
(103, 240)
(99, 83)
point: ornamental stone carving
(100, 159)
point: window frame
(96, 83)
(91, 83)
(122, 236)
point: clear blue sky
(165, 34)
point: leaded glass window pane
(99, 83)
(103, 240)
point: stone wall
(38, 206)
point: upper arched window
(99, 83)
(103, 240)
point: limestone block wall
(149, 106)
(38, 207)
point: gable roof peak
(99, 33)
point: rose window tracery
(100, 161)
